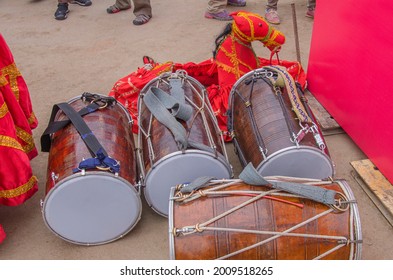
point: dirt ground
(90, 51)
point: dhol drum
(92, 206)
(179, 139)
(273, 127)
(229, 219)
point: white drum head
(92, 209)
(301, 162)
(179, 168)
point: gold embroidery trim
(3, 110)
(27, 138)
(233, 58)
(19, 190)
(32, 118)
(7, 141)
(12, 72)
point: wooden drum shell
(279, 155)
(263, 215)
(163, 164)
(92, 200)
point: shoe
(237, 3)
(141, 19)
(310, 12)
(62, 11)
(114, 9)
(82, 2)
(223, 16)
(271, 16)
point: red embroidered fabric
(235, 57)
(17, 119)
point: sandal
(141, 19)
(114, 9)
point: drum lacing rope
(254, 126)
(201, 111)
(297, 107)
(286, 116)
(180, 133)
(287, 232)
(200, 227)
(195, 195)
(181, 197)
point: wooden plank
(326, 122)
(379, 189)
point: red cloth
(2, 234)
(126, 90)
(359, 100)
(235, 57)
(17, 147)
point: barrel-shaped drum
(174, 149)
(274, 128)
(229, 219)
(92, 206)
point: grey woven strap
(160, 103)
(251, 176)
(168, 108)
(179, 108)
(196, 184)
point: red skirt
(17, 147)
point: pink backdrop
(350, 72)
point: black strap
(85, 132)
(55, 126)
(97, 101)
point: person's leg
(216, 10)
(271, 4)
(311, 4)
(119, 6)
(271, 14)
(142, 11)
(310, 8)
(237, 3)
(84, 3)
(62, 10)
(142, 7)
(123, 4)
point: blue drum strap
(251, 176)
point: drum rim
(145, 177)
(355, 210)
(99, 173)
(300, 147)
(172, 253)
